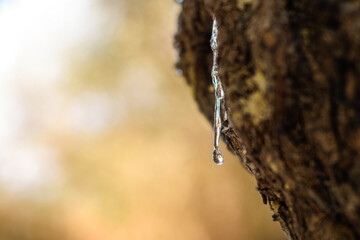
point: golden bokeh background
(100, 140)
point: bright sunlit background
(100, 140)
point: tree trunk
(291, 75)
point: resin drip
(219, 95)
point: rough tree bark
(291, 74)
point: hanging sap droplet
(217, 156)
(219, 95)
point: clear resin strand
(219, 95)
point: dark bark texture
(291, 74)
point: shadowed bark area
(291, 75)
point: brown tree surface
(291, 75)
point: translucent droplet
(217, 156)
(219, 96)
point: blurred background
(100, 140)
